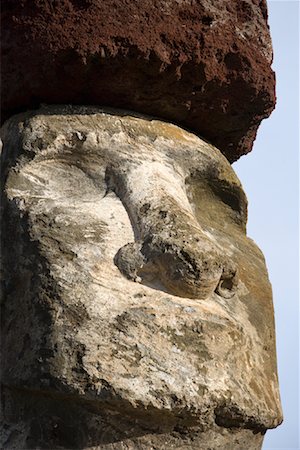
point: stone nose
(193, 269)
(171, 247)
(186, 269)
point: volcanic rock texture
(202, 64)
(137, 313)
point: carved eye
(203, 190)
(233, 196)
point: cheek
(223, 225)
(258, 295)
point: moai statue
(136, 312)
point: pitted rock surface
(205, 65)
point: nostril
(228, 283)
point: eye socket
(232, 195)
(204, 190)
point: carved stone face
(130, 282)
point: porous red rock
(204, 64)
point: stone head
(133, 293)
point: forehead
(98, 137)
(71, 145)
(91, 140)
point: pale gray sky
(270, 176)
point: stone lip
(204, 65)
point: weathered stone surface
(202, 64)
(107, 344)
